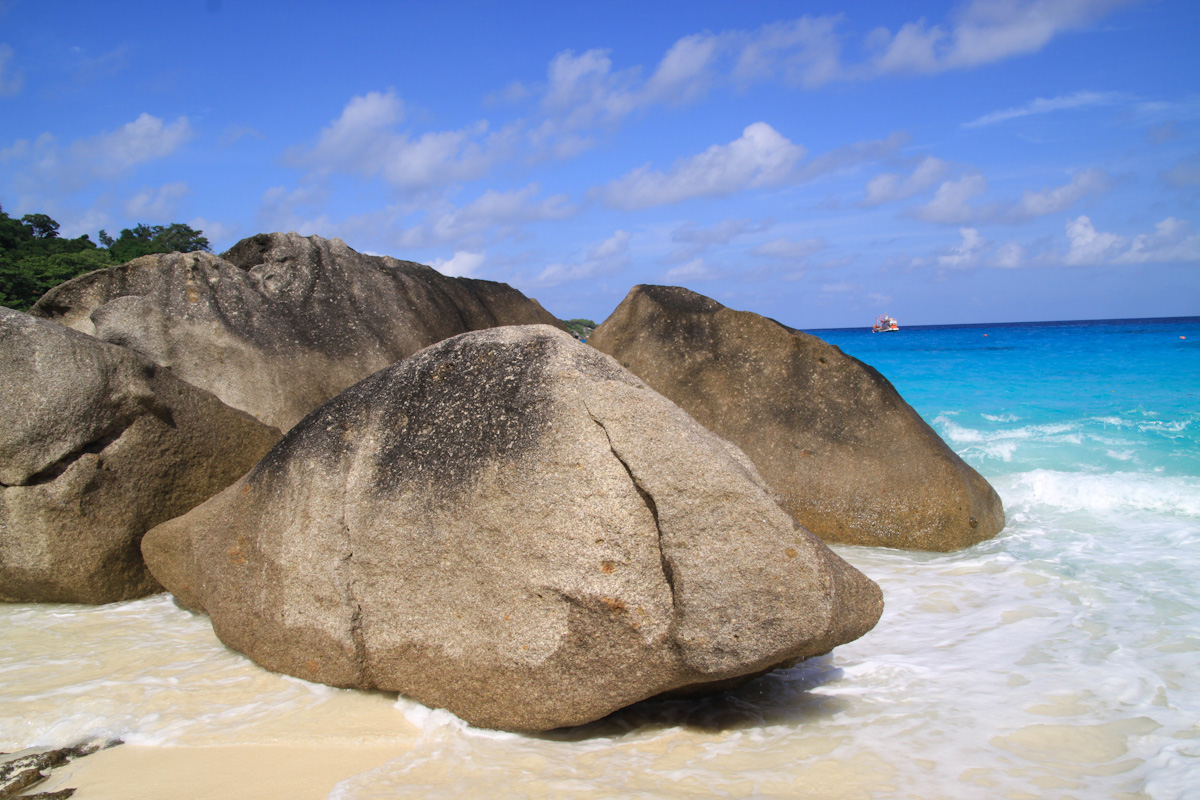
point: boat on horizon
(885, 324)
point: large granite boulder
(853, 461)
(510, 526)
(280, 323)
(97, 445)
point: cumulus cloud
(1173, 240)
(156, 205)
(607, 258)
(364, 140)
(761, 157)
(695, 270)
(44, 171)
(951, 203)
(954, 202)
(685, 72)
(463, 264)
(499, 212)
(805, 51)
(1060, 198)
(967, 253)
(1044, 105)
(889, 187)
(11, 80)
(147, 138)
(983, 31)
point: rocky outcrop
(852, 460)
(97, 445)
(281, 322)
(510, 526)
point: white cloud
(1173, 240)
(789, 249)
(683, 74)
(984, 31)
(43, 172)
(364, 140)
(583, 90)
(1060, 198)
(147, 138)
(463, 264)
(695, 270)
(1044, 105)
(761, 157)
(805, 51)
(359, 140)
(607, 258)
(11, 80)
(967, 253)
(500, 212)
(888, 187)
(156, 205)
(951, 204)
(1009, 256)
(1089, 246)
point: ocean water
(1059, 660)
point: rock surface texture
(281, 322)
(510, 526)
(853, 461)
(97, 445)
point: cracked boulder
(847, 455)
(280, 322)
(510, 526)
(98, 445)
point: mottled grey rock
(97, 445)
(280, 323)
(852, 460)
(510, 526)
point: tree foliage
(34, 258)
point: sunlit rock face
(97, 445)
(510, 526)
(849, 458)
(280, 322)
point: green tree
(144, 240)
(34, 258)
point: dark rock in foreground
(97, 445)
(510, 526)
(281, 322)
(852, 460)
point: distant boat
(885, 324)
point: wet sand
(264, 772)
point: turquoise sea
(1059, 660)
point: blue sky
(820, 163)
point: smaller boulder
(98, 445)
(853, 461)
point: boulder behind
(97, 445)
(280, 323)
(853, 461)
